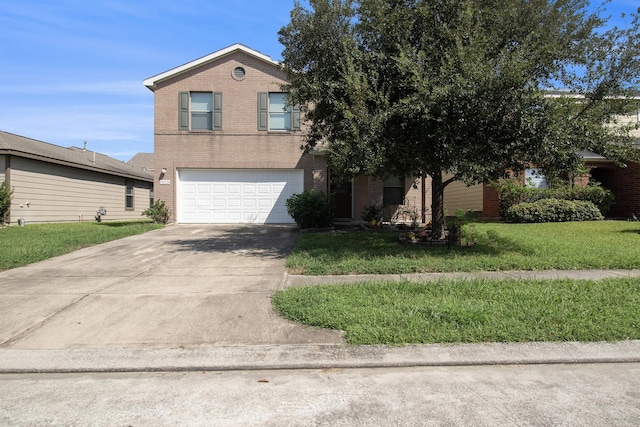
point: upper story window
(279, 112)
(200, 111)
(275, 114)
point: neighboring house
(227, 150)
(624, 183)
(56, 184)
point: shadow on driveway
(270, 241)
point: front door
(343, 199)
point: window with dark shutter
(275, 114)
(200, 111)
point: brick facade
(239, 144)
(624, 182)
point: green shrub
(553, 210)
(372, 213)
(5, 201)
(512, 192)
(310, 209)
(159, 212)
(594, 193)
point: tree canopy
(460, 90)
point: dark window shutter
(295, 117)
(217, 110)
(183, 111)
(263, 111)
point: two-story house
(228, 149)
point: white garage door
(236, 196)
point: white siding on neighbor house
(632, 119)
(45, 192)
(458, 196)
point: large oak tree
(460, 90)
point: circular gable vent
(239, 73)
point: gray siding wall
(45, 192)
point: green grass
(569, 246)
(396, 313)
(20, 246)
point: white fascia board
(151, 81)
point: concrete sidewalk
(298, 280)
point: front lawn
(469, 311)
(36, 242)
(568, 246)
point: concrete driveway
(181, 286)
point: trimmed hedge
(553, 210)
(310, 209)
(512, 192)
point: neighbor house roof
(142, 161)
(16, 145)
(152, 81)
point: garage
(236, 196)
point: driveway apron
(182, 286)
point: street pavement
(514, 395)
(187, 309)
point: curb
(315, 356)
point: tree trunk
(437, 206)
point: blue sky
(72, 70)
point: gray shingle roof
(142, 161)
(21, 146)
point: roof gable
(152, 81)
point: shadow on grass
(492, 243)
(372, 245)
(121, 223)
(630, 231)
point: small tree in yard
(458, 90)
(5, 201)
